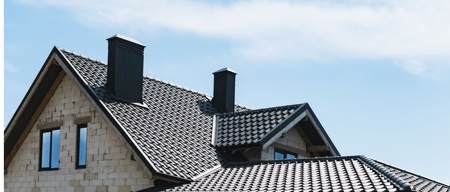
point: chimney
(125, 68)
(224, 80)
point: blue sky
(374, 72)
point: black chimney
(125, 68)
(224, 80)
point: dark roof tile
(249, 127)
(175, 129)
(418, 182)
(351, 173)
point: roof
(419, 182)
(174, 132)
(249, 127)
(349, 173)
(171, 131)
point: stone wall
(108, 163)
(292, 139)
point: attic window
(49, 149)
(81, 146)
(283, 155)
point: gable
(108, 159)
(31, 106)
(291, 141)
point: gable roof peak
(82, 56)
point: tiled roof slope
(351, 173)
(418, 182)
(245, 128)
(174, 132)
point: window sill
(47, 169)
(81, 167)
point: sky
(374, 72)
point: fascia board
(285, 129)
(29, 93)
(283, 124)
(321, 130)
(303, 111)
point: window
(81, 146)
(49, 149)
(282, 155)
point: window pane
(55, 149)
(45, 161)
(290, 156)
(279, 156)
(82, 155)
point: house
(87, 126)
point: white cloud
(414, 66)
(10, 68)
(289, 29)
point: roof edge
(285, 124)
(294, 160)
(257, 110)
(321, 129)
(409, 172)
(29, 93)
(207, 172)
(398, 181)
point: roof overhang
(305, 121)
(31, 106)
(31, 92)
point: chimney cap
(126, 39)
(225, 69)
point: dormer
(286, 132)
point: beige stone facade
(108, 163)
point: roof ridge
(293, 160)
(397, 181)
(263, 109)
(82, 56)
(178, 86)
(243, 106)
(410, 172)
(159, 80)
